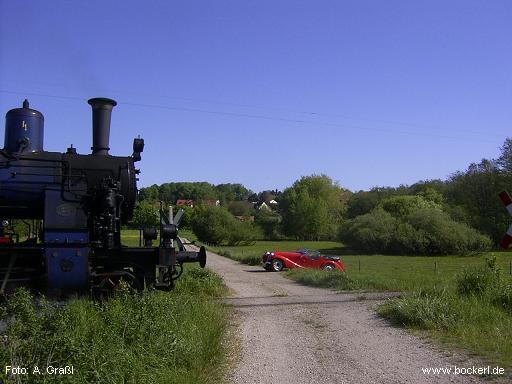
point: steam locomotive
(72, 206)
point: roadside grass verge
(474, 323)
(153, 337)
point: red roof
(189, 203)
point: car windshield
(309, 252)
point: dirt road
(293, 334)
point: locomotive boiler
(73, 206)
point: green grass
(130, 237)
(472, 322)
(404, 273)
(154, 337)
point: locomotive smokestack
(101, 113)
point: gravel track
(293, 334)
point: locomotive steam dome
(24, 130)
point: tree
(504, 162)
(240, 208)
(475, 192)
(145, 214)
(361, 203)
(312, 208)
(402, 206)
(212, 224)
(269, 222)
(232, 192)
(215, 225)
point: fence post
(435, 266)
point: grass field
(130, 237)
(376, 272)
(153, 337)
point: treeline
(459, 215)
(196, 191)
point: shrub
(243, 233)
(473, 281)
(372, 232)
(423, 309)
(215, 225)
(479, 280)
(444, 235)
(401, 206)
(422, 231)
(502, 297)
(212, 224)
(269, 222)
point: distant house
(273, 202)
(184, 202)
(263, 206)
(249, 219)
(211, 203)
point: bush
(402, 206)
(269, 222)
(423, 309)
(372, 232)
(475, 281)
(215, 225)
(502, 297)
(211, 224)
(243, 233)
(481, 280)
(422, 231)
(444, 235)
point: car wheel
(277, 265)
(328, 267)
(268, 268)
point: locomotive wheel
(116, 282)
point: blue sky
(372, 93)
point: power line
(253, 116)
(291, 110)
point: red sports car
(303, 258)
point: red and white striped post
(507, 202)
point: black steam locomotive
(73, 206)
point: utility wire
(312, 114)
(263, 117)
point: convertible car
(303, 258)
